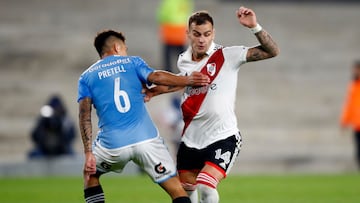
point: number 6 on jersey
(118, 93)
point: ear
(188, 32)
(117, 47)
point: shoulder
(186, 54)
(228, 50)
(94, 67)
(214, 48)
(236, 53)
(218, 46)
(236, 49)
(137, 60)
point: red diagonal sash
(191, 105)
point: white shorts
(151, 155)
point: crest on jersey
(211, 68)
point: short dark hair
(200, 17)
(100, 39)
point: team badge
(159, 168)
(211, 68)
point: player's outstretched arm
(168, 82)
(267, 48)
(159, 89)
(170, 79)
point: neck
(198, 57)
(111, 53)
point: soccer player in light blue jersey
(113, 86)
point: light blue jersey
(114, 84)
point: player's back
(114, 84)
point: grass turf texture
(343, 188)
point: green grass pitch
(340, 188)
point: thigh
(188, 176)
(155, 159)
(189, 159)
(111, 159)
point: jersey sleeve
(143, 70)
(236, 54)
(83, 89)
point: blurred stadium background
(288, 107)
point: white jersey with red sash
(209, 112)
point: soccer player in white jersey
(211, 139)
(113, 86)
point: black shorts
(221, 155)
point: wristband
(256, 29)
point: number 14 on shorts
(225, 157)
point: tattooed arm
(86, 136)
(85, 123)
(267, 47)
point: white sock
(193, 195)
(208, 194)
(191, 191)
(206, 185)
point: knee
(188, 186)
(91, 181)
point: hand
(198, 79)
(89, 166)
(149, 93)
(246, 17)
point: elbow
(153, 77)
(275, 52)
